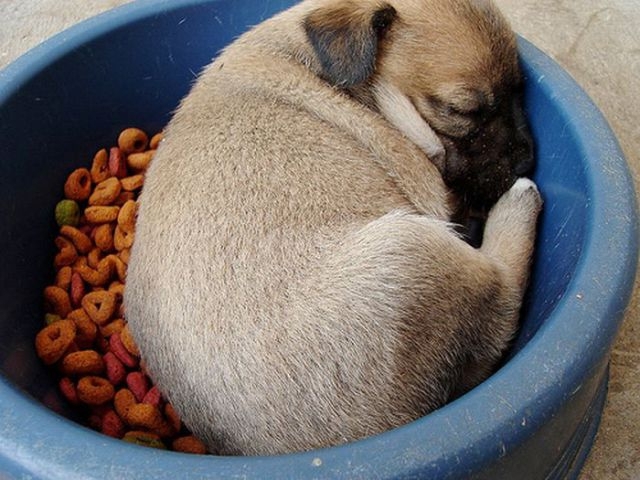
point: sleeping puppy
(295, 281)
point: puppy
(295, 281)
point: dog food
(85, 339)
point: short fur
(295, 281)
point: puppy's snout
(525, 161)
(523, 153)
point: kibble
(85, 336)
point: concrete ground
(598, 42)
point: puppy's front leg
(509, 234)
(509, 238)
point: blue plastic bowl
(535, 418)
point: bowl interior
(65, 100)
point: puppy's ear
(345, 38)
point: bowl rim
(589, 312)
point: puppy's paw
(516, 212)
(523, 196)
(510, 231)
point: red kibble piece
(117, 163)
(153, 397)
(68, 390)
(112, 424)
(119, 350)
(138, 383)
(94, 421)
(77, 289)
(116, 372)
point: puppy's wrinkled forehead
(450, 49)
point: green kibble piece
(67, 213)
(140, 438)
(50, 318)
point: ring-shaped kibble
(80, 240)
(96, 277)
(86, 330)
(127, 216)
(83, 362)
(57, 301)
(122, 238)
(133, 140)
(67, 253)
(100, 305)
(100, 166)
(94, 390)
(78, 185)
(106, 192)
(54, 340)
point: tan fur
(295, 281)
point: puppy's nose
(523, 153)
(525, 164)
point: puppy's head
(444, 72)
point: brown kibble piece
(154, 143)
(103, 236)
(128, 342)
(86, 330)
(106, 192)
(123, 238)
(100, 166)
(132, 183)
(122, 401)
(101, 214)
(95, 277)
(133, 140)
(127, 216)
(99, 305)
(140, 161)
(63, 277)
(67, 253)
(112, 327)
(124, 255)
(94, 257)
(144, 415)
(54, 340)
(172, 417)
(83, 362)
(189, 444)
(78, 185)
(94, 390)
(79, 239)
(57, 301)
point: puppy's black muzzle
(481, 167)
